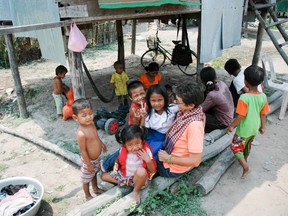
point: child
(90, 145)
(218, 104)
(160, 116)
(237, 86)
(137, 95)
(152, 76)
(119, 79)
(171, 94)
(251, 110)
(59, 89)
(135, 164)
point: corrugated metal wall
(33, 12)
(220, 27)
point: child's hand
(115, 167)
(163, 156)
(90, 168)
(143, 112)
(229, 129)
(143, 155)
(104, 148)
(262, 130)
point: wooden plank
(73, 11)
(108, 17)
(16, 77)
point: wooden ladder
(269, 7)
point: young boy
(90, 145)
(138, 108)
(118, 80)
(59, 89)
(237, 86)
(251, 109)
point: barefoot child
(59, 89)
(119, 79)
(135, 163)
(251, 109)
(90, 145)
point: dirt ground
(263, 192)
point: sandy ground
(264, 192)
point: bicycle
(157, 53)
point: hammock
(96, 90)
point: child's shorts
(241, 146)
(87, 176)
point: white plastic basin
(26, 180)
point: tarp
(113, 4)
(282, 6)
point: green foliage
(185, 202)
(3, 167)
(72, 147)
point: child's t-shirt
(144, 79)
(251, 105)
(161, 123)
(120, 81)
(239, 84)
(133, 162)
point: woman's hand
(163, 156)
(143, 155)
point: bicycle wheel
(190, 70)
(153, 55)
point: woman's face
(182, 106)
(134, 145)
(157, 102)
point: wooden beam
(76, 72)
(73, 11)
(133, 39)
(40, 26)
(16, 77)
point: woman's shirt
(161, 122)
(220, 103)
(191, 141)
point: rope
(95, 89)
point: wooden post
(133, 40)
(16, 77)
(76, 72)
(199, 65)
(121, 56)
(259, 39)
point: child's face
(84, 117)
(157, 102)
(182, 106)
(134, 145)
(119, 68)
(152, 73)
(138, 95)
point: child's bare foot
(136, 197)
(88, 198)
(98, 191)
(246, 171)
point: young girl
(160, 116)
(135, 163)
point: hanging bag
(182, 54)
(77, 41)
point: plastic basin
(26, 180)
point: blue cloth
(109, 162)
(155, 140)
(165, 172)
